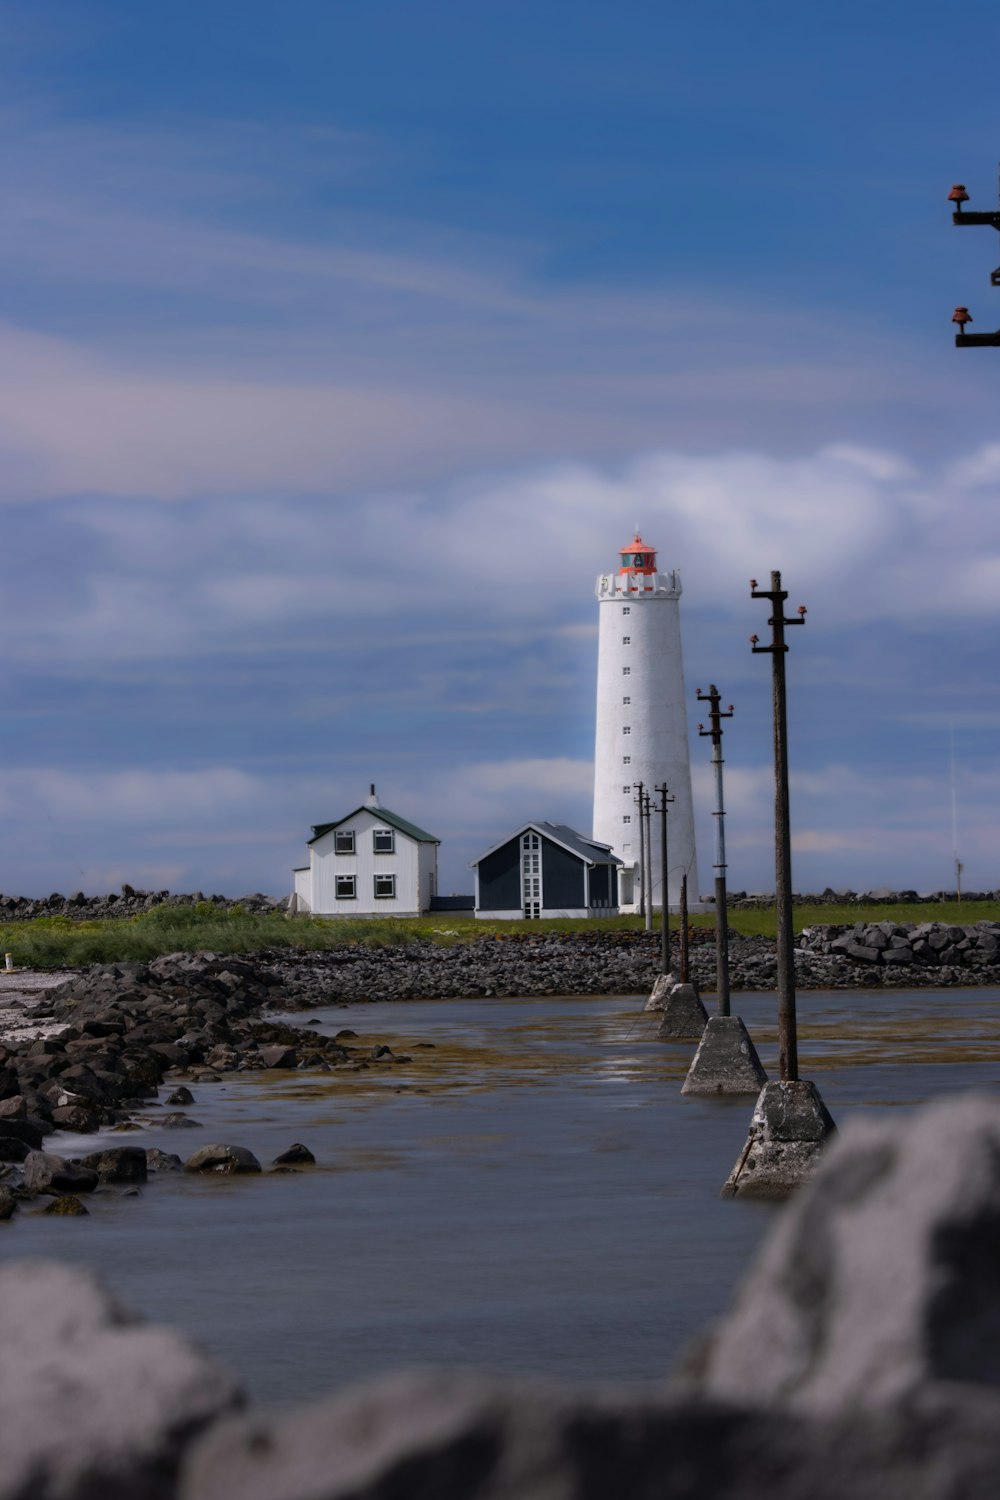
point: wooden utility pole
(715, 718)
(665, 798)
(684, 961)
(788, 1055)
(647, 805)
(639, 788)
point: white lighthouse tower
(642, 722)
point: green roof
(384, 815)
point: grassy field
(61, 942)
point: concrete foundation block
(661, 992)
(684, 1016)
(788, 1130)
(726, 1061)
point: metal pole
(665, 903)
(716, 716)
(639, 787)
(788, 1057)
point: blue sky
(342, 346)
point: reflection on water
(531, 1193)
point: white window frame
(384, 895)
(346, 887)
(343, 841)
(384, 833)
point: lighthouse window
(383, 841)
(626, 671)
(626, 760)
(626, 729)
(626, 700)
(385, 885)
(626, 609)
(343, 842)
(626, 640)
(626, 789)
(627, 818)
(346, 888)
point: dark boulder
(296, 1155)
(46, 1173)
(118, 1164)
(226, 1160)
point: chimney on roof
(372, 800)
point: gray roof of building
(560, 833)
(382, 815)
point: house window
(626, 700)
(626, 609)
(343, 842)
(385, 887)
(626, 640)
(626, 760)
(346, 887)
(626, 671)
(626, 729)
(384, 841)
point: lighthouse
(642, 722)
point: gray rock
(94, 1406)
(297, 1155)
(278, 1057)
(8, 1203)
(224, 1159)
(118, 1164)
(47, 1173)
(464, 1436)
(162, 1161)
(181, 1095)
(881, 1275)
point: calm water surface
(530, 1194)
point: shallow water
(531, 1194)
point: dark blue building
(546, 870)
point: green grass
(62, 942)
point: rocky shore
(115, 1034)
(101, 1044)
(861, 956)
(857, 1360)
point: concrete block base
(726, 1061)
(684, 1016)
(788, 1130)
(661, 992)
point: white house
(370, 863)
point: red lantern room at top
(638, 566)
